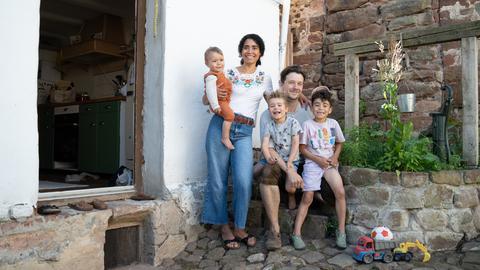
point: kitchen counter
(107, 99)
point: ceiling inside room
(60, 19)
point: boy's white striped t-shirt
(320, 138)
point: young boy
(321, 144)
(214, 79)
(280, 141)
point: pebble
(259, 257)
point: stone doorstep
(314, 226)
(117, 210)
(57, 235)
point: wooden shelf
(91, 52)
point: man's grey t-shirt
(300, 114)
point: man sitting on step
(270, 176)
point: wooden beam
(470, 100)
(141, 11)
(413, 38)
(352, 91)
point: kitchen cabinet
(99, 138)
(46, 134)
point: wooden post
(352, 91)
(470, 100)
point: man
(291, 82)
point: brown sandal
(81, 206)
(246, 239)
(100, 205)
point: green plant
(405, 153)
(330, 227)
(402, 152)
(364, 146)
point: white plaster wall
(19, 29)
(191, 27)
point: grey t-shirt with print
(281, 136)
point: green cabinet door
(46, 135)
(108, 138)
(99, 138)
(87, 138)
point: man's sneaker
(273, 241)
(341, 240)
(297, 242)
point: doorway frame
(121, 192)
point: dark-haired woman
(250, 83)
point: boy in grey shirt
(280, 142)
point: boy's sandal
(247, 239)
(227, 244)
(297, 242)
(48, 210)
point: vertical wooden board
(139, 84)
(352, 91)
(470, 100)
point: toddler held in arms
(215, 79)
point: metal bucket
(406, 102)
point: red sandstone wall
(318, 24)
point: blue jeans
(220, 161)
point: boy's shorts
(312, 177)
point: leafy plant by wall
(395, 149)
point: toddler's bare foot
(228, 143)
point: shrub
(364, 147)
(395, 149)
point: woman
(250, 83)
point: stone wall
(75, 240)
(318, 24)
(439, 208)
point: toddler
(214, 80)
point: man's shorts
(274, 175)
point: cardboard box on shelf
(63, 92)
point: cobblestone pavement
(207, 253)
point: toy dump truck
(367, 250)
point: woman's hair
(258, 40)
(277, 94)
(323, 94)
(211, 50)
(291, 69)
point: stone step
(314, 226)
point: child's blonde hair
(211, 50)
(277, 94)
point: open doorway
(86, 94)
